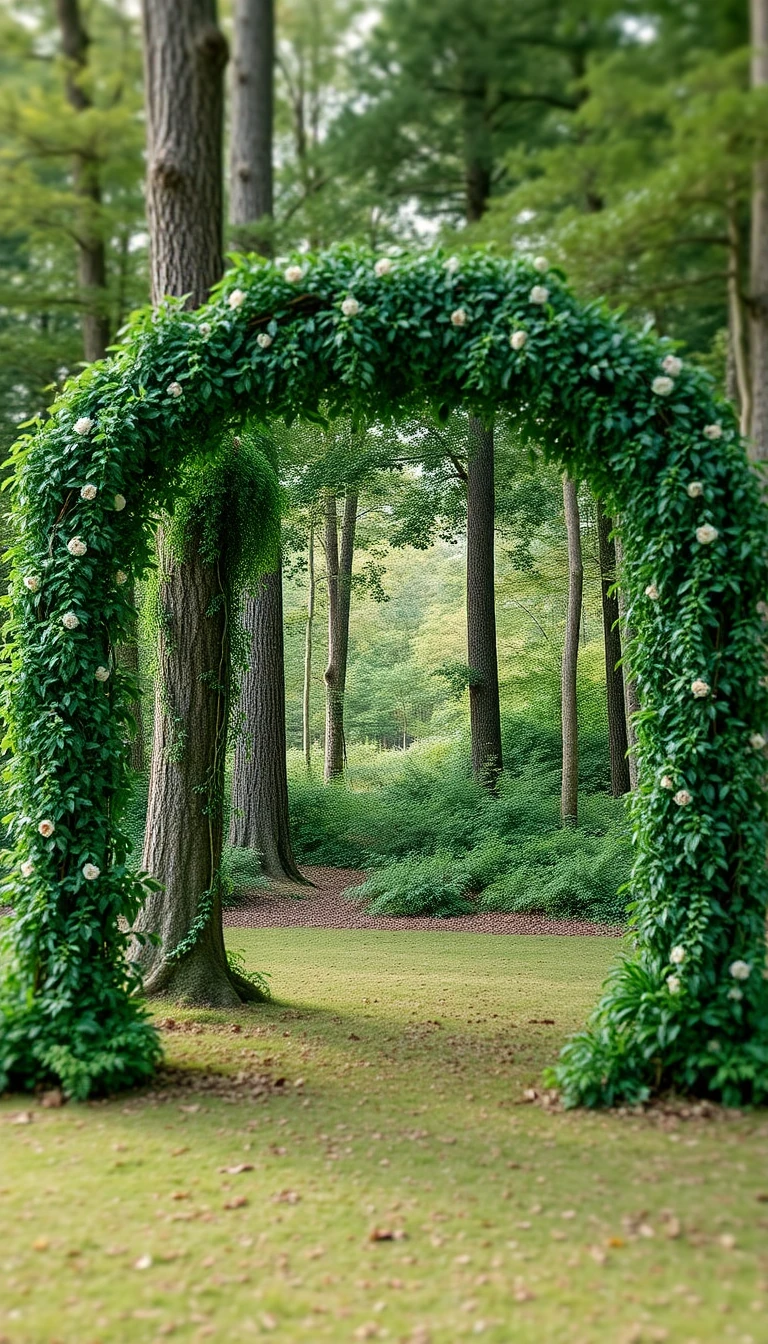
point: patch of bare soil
(325, 906)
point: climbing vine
(380, 338)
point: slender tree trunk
(259, 817)
(339, 577)
(758, 325)
(614, 676)
(305, 699)
(631, 700)
(250, 171)
(484, 710)
(569, 807)
(184, 56)
(738, 365)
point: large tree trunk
(758, 325)
(339, 577)
(185, 54)
(614, 676)
(305, 699)
(250, 171)
(484, 710)
(259, 817)
(569, 805)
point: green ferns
(327, 336)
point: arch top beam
(380, 338)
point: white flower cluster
(757, 741)
(677, 955)
(694, 489)
(518, 339)
(263, 340)
(121, 577)
(672, 365)
(91, 872)
(700, 689)
(667, 782)
(89, 491)
(70, 621)
(540, 264)
(652, 592)
(539, 294)
(459, 317)
(236, 299)
(76, 546)
(31, 582)
(350, 306)
(682, 798)
(119, 503)
(706, 534)
(27, 868)
(102, 673)
(175, 390)
(83, 425)
(383, 266)
(452, 265)
(46, 828)
(663, 386)
(713, 432)
(293, 274)
(673, 984)
(740, 970)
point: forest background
(622, 142)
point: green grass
(520, 1224)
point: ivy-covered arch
(378, 338)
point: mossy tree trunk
(614, 675)
(569, 803)
(338, 562)
(482, 656)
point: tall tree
(482, 656)
(259, 818)
(614, 675)
(569, 806)
(338, 561)
(185, 57)
(758, 299)
(306, 740)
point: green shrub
(434, 885)
(240, 874)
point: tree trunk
(758, 325)
(305, 699)
(484, 710)
(339, 574)
(184, 56)
(738, 374)
(614, 676)
(631, 701)
(569, 806)
(259, 817)
(250, 171)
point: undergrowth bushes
(430, 837)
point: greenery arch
(376, 338)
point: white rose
(700, 689)
(101, 673)
(740, 970)
(205, 328)
(452, 265)
(677, 955)
(27, 868)
(89, 491)
(31, 582)
(383, 266)
(695, 489)
(517, 339)
(713, 432)
(46, 828)
(652, 592)
(293, 274)
(236, 298)
(119, 503)
(735, 994)
(672, 365)
(263, 340)
(667, 782)
(757, 741)
(175, 390)
(683, 798)
(91, 872)
(539, 294)
(69, 620)
(459, 317)
(706, 534)
(76, 546)
(673, 984)
(83, 425)
(121, 577)
(662, 386)
(540, 264)
(350, 307)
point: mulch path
(325, 907)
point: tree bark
(569, 805)
(484, 710)
(259, 817)
(758, 324)
(184, 56)
(250, 170)
(631, 700)
(305, 699)
(738, 373)
(614, 676)
(339, 577)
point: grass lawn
(507, 1222)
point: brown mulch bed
(325, 907)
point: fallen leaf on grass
(386, 1234)
(21, 1118)
(367, 1331)
(190, 1110)
(268, 1321)
(40, 1244)
(180, 1194)
(237, 1202)
(727, 1241)
(616, 1242)
(446, 1139)
(524, 1295)
(286, 1197)
(238, 1169)
(762, 1197)
(143, 1262)
(315, 1253)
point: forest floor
(329, 903)
(358, 1160)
